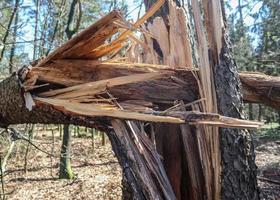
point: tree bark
(182, 173)
(239, 178)
(65, 170)
(13, 109)
(13, 48)
(238, 174)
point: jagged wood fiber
(85, 82)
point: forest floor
(267, 150)
(97, 172)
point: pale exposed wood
(109, 110)
(105, 110)
(97, 87)
(160, 32)
(194, 165)
(214, 25)
(81, 37)
(84, 79)
(117, 43)
(86, 46)
(180, 46)
(149, 168)
(143, 19)
(174, 44)
(171, 49)
(208, 137)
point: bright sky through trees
(133, 10)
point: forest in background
(31, 29)
(255, 36)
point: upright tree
(8, 28)
(13, 48)
(65, 170)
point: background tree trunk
(65, 170)
(7, 33)
(65, 161)
(13, 48)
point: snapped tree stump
(161, 107)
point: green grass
(272, 125)
(270, 130)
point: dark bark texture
(239, 180)
(131, 188)
(65, 170)
(14, 111)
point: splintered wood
(107, 72)
(81, 74)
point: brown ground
(98, 174)
(268, 162)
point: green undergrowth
(271, 130)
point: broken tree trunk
(238, 168)
(217, 58)
(174, 48)
(261, 88)
(86, 82)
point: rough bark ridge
(237, 150)
(237, 153)
(13, 109)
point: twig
(17, 136)
(2, 180)
(186, 105)
(52, 152)
(4, 161)
(263, 179)
(30, 132)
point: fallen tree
(83, 82)
(261, 88)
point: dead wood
(264, 179)
(261, 88)
(80, 83)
